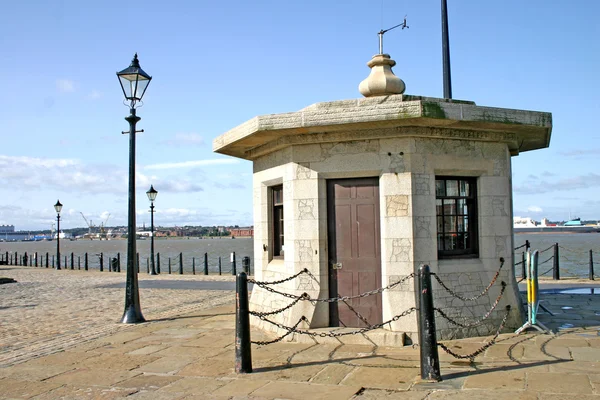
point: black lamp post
(152, 196)
(134, 82)
(58, 208)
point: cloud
(534, 209)
(191, 164)
(561, 185)
(548, 174)
(580, 153)
(185, 139)
(65, 85)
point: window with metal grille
(456, 211)
(278, 233)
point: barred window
(456, 211)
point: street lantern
(58, 207)
(134, 82)
(152, 196)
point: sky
(218, 64)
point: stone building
(362, 192)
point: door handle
(337, 265)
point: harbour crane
(89, 224)
(102, 230)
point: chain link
(263, 314)
(484, 347)
(542, 263)
(363, 319)
(521, 246)
(280, 338)
(546, 249)
(458, 296)
(294, 329)
(546, 272)
(289, 278)
(476, 323)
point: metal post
(36, 258)
(133, 310)
(158, 263)
(205, 263)
(430, 361)
(556, 264)
(72, 260)
(118, 262)
(53, 261)
(169, 265)
(148, 265)
(101, 262)
(57, 241)
(219, 265)
(591, 266)
(137, 262)
(46, 259)
(524, 266)
(152, 269)
(85, 261)
(65, 264)
(246, 264)
(180, 263)
(193, 265)
(446, 52)
(233, 268)
(78, 262)
(243, 353)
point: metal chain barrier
(263, 314)
(476, 323)
(552, 246)
(546, 260)
(280, 338)
(546, 272)
(294, 329)
(262, 284)
(458, 296)
(484, 347)
(521, 246)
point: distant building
(7, 228)
(242, 232)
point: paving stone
(581, 367)
(209, 368)
(507, 380)
(332, 374)
(148, 382)
(33, 372)
(559, 383)
(63, 358)
(585, 354)
(239, 387)
(148, 349)
(295, 373)
(474, 394)
(212, 340)
(92, 377)
(154, 395)
(377, 394)
(193, 385)
(118, 361)
(198, 352)
(12, 388)
(385, 378)
(93, 392)
(303, 391)
(166, 365)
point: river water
(573, 251)
(192, 251)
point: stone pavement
(191, 356)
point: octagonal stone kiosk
(362, 192)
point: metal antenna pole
(446, 52)
(381, 32)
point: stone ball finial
(381, 81)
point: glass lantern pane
(141, 87)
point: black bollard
(72, 260)
(47, 260)
(246, 264)
(219, 265)
(180, 263)
(556, 264)
(147, 265)
(53, 261)
(137, 261)
(36, 260)
(193, 265)
(65, 264)
(233, 267)
(158, 263)
(169, 265)
(78, 262)
(591, 266)
(430, 360)
(101, 262)
(118, 262)
(243, 353)
(523, 266)
(205, 263)
(85, 261)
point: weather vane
(381, 32)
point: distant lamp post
(58, 208)
(134, 82)
(152, 196)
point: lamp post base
(132, 316)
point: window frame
(277, 222)
(472, 230)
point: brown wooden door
(354, 250)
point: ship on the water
(528, 225)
